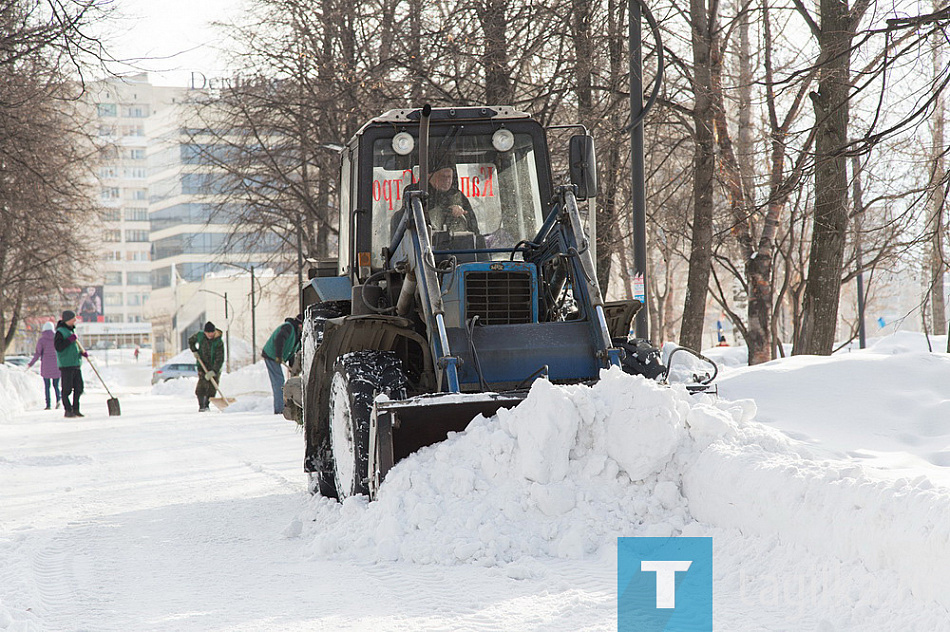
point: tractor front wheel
(357, 379)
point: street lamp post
(227, 332)
(253, 321)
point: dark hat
(68, 315)
(299, 318)
(209, 327)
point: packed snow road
(167, 519)
(164, 519)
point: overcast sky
(176, 32)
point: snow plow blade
(400, 427)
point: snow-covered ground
(824, 483)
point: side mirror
(583, 166)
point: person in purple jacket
(46, 354)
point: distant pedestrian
(207, 346)
(46, 354)
(135, 354)
(69, 359)
(280, 348)
(723, 342)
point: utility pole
(227, 334)
(638, 186)
(858, 210)
(299, 268)
(253, 321)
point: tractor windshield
(474, 188)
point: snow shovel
(220, 402)
(112, 402)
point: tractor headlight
(503, 140)
(403, 143)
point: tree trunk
(493, 17)
(758, 268)
(704, 166)
(938, 201)
(823, 286)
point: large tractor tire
(318, 459)
(357, 379)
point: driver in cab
(449, 209)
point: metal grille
(498, 298)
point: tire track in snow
(52, 567)
(425, 595)
(73, 584)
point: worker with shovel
(280, 348)
(208, 347)
(69, 357)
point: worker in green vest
(280, 348)
(69, 357)
(208, 347)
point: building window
(137, 154)
(106, 130)
(162, 277)
(137, 255)
(134, 111)
(137, 194)
(136, 235)
(107, 109)
(135, 173)
(112, 235)
(137, 298)
(138, 278)
(136, 215)
(112, 299)
(113, 318)
(112, 215)
(110, 193)
(113, 278)
(107, 172)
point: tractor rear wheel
(357, 379)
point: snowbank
(19, 390)
(574, 467)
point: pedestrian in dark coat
(209, 347)
(69, 360)
(281, 347)
(46, 354)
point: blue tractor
(463, 275)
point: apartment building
(123, 109)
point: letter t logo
(665, 579)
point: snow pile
(865, 476)
(890, 400)
(559, 476)
(19, 390)
(574, 467)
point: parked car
(16, 360)
(172, 370)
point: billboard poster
(86, 301)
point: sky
(177, 34)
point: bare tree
(46, 204)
